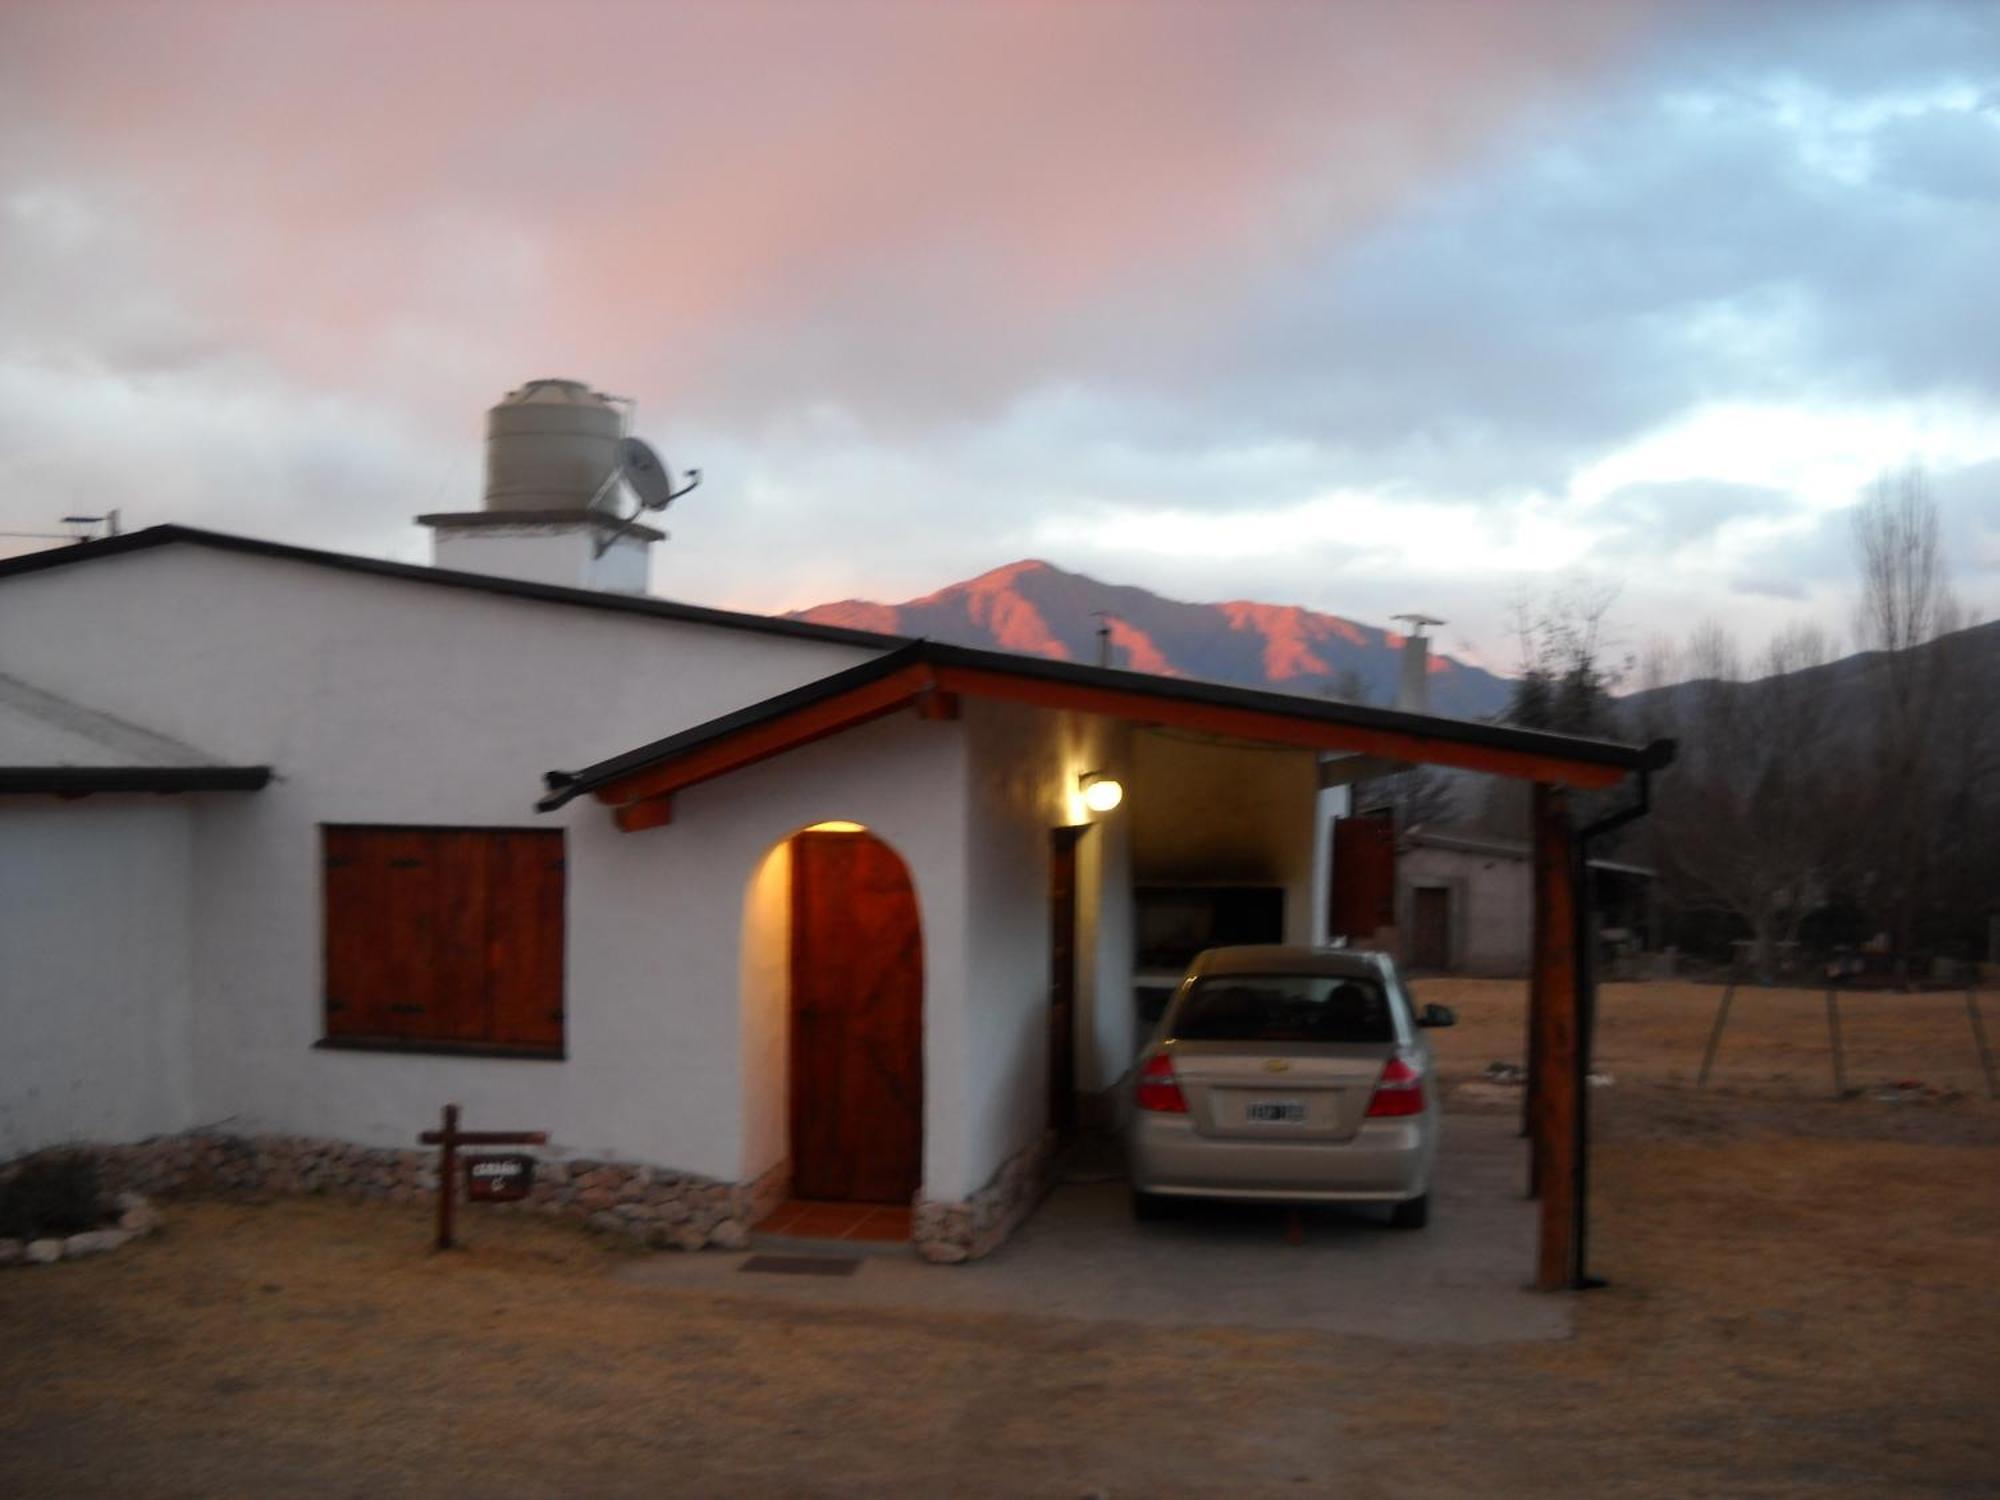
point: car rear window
(1284, 1008)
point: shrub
(51, 1195)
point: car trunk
(1291, 1091)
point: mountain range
(1038, 609)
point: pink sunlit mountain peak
(1039, 609)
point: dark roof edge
(546, 593)
(1649, 757)
(77, 781)
(565, 785)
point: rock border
(947, 1233)
(653, 1206)
(136, 1218)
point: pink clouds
(736, 206)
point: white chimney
(550, 512)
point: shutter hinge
(406, 864)
(406, 1010)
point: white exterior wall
(95, 964)
(566, 556)
(678, 1018)
(1023, 766)
(386, 701)
(1332, 802)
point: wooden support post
(1833, 1036)
(1558, 1036)
(1979, 1040)
(448, 1140)
(447, 1175)
(1537, 1009)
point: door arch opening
(856, 1045)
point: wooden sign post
(448, 1140)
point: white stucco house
(297, 846)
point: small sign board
(498, 1179)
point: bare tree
(1565, 682)
(1742, 821)
(1906, 608)
(1420, 797)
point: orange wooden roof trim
(925, 685)
(813, 721)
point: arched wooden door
(857, 1045)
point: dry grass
(1797, 1309)
(1776, 1043)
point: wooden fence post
(1979, 1040)
(1715, 1032)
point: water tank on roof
(552, 445)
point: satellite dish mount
(648, 478)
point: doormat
(802, 1265)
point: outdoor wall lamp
(1101, 792)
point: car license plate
(1276, 1112)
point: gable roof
(932, 675)
(506, 588)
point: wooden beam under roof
(1306, 731)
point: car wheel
(1148, 1208)
(1411, 1213)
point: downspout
(1658, 754)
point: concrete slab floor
(1462, 1280)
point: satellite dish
(651, 481)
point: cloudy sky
(1367, 308)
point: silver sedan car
(1288, 1074)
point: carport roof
(932, 676)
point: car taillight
(1399, 1091)
(1158, 1088)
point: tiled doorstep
(854, 1226)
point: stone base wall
(651, 1205)
(648, 1204)
(976, 1226)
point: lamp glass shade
(1102, 794)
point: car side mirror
(1438, 1015)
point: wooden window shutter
(446, 936)
(524, 938)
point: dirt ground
(1802, 1303)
